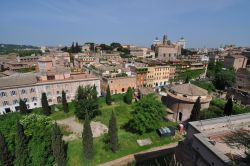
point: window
(15, 101)
(32, 90)
(34, 99)
(13, 93)
(5, 103)
(58, 92)
(3, 94)
(23, 91)
(47, 87)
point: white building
(29, 87)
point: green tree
(21, 147)
(108, 96)
(58, 146)
(23, 107)
(86, 102)
(113, 133)
(37, 128)
(223, 79)
(87, 139)
(187, 79)
(128, 96)
(5, 156)
(228, 109)
(195, 113)
(72, 48)
(147, 115)
(45, 105)
(64, 102)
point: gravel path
(76, 128)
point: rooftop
(189, 89)
(215, 134)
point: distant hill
(19, 49)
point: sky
(203, 23)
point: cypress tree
(195, 114)
(87, 139)
(45, 105)
(108, 96)
(128, 96)
(5, 157)
(23, 107)
(228, 109)
(64, 102)
(21, 147)
(187, 79)
(72, 48)
(113, 133)
(58, 146)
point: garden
(75, 154)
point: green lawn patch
(127, 140)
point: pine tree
(64, 102)
(72, 48)
(23, 107)
(195, 114)
(58, 146)
(86, 102)
(45, 105)
(21, 147)
(228, 109)
(113, 133)
(108, 96)
(87, 139)
(5, 157)
(128, 96)
(187, 79)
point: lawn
(127, 140)
(192, 74)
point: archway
(180, 116)
(59, 99)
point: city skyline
(51, 23)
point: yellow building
(158, 76)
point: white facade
(9, 97)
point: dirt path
(76, 128)
(129, 158)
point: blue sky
(52, 22)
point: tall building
(166, 51)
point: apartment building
(118, 85)
(158, 76)
(236, 61)
(30, 87)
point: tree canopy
(45, 105)
(195, 113)
(128, 96)
(228, 109)
(108, 97)
(147, 115)
(87, 139)
(224, 78)
(86, 102)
